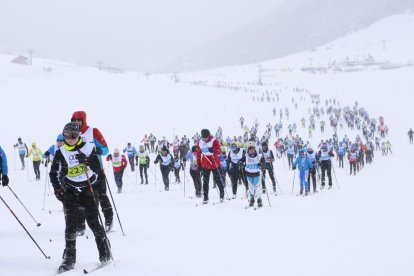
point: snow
(363, 228)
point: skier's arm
(55, 170)
(4, 167)
(100, 143)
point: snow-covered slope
(363, 228)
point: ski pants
(268, 167)
(254, 186)
(303, 180)
(352, 166)
(22, 159)
(411, 139)
(290, 160)
(217, 179)
(118, 178)
(326, 167)
(36, 165)
(77, 204)
(235, 175)
(177, 174)
(152, 146)
(312, 174)
(143, 169)
(341, 161)
(165, 172)
(147, 147)
(131, 162)
(195, 175)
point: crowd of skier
(80, 183)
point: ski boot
(234, 197)
(274, 189)
(104, 251)
(142, 181)
(251, 202)
(167, 188)
(259, 203)
(68, 260)
(146, 181)
(301, 191)
(81, 229)
(108, 225)
(307, 191)
(119, 190)
(221, 199)
(205, 200)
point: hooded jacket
(208, 157)
(98, 138)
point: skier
(75, 167)
(241, 122)
(4, 170)
(290, 154)
(235, 159)
(253, 168)
(194, 170)
(340, 152)
(208, 159)
(146, 142)
(410, 135)
(267, 160)
(304, 163)
(131, 152)
(142, 158)
(166, 165)
(353, 160)
(23, 150)
(152, 140)
(313, 156)
(93, 135)
(325, 155)
(37, 159)
(177, 167)
(50, 153)
(119, 163)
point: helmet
(71, 128)
(205, 133)
(60, 138)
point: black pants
(411, 139)
(326, 167)
(147, 147)
(131, 162)
(22, 159)
(217, 179)
(36, 165)
(268, 167)
(341, 161)
(152, 146)
(165, 171)
(196, 176)
(312, 174)
(143, 170)
(352, 166)
(77, 204)
(177, 174)
(290, 160)
(235, 175)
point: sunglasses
(76, 120)
(71, 135)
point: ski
(101, 265)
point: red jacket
(124, 163)
(208, 154)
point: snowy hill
(295, 26)
(363, 228)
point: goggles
(70, 135)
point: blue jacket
(130, 151)
(50, 151)
(303, 164)
(4, 168)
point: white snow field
(363, 228)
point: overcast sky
(134, 34)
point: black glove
(294, 167)
(5, 180)
(98, 150)
(172, 169)
(109, 156)
(43, 161)
(59, 194)
(148, 165)
(82, 158)
(211, 150)
(47, 162)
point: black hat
(205, 133)
(264, 144)
(71, 128)
(194, 148)
(164, 148)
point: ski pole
(11, 211)
(37, 223)
(274, 175)
(336, 180)
(97, 208)
(267, 194)
(113, 202)
(293, 185)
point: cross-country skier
(76, 166)
(50, 153)
(253, 168)
(208, 159)
(119, 163)
(235, 161)
(143, 160)
(268, 159)
(325, 155)
(194, 170)
(131, 152)
(166, 165)
(23, 150)
(37, 159)
(304, 164)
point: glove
(43, 161)
(59, 194)
(148, 165)
(172, 169)
(27, 155)
(294, 168)
(82, 158)
(211, 150)
(5, 180)
(98, 150)
(109, 156)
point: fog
(132, 34)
